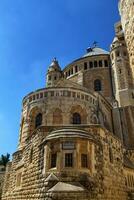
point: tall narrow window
(91, 64)
(68, 160)
(100, 63)
(84, 161)
(120, 71)
(76, 118)
(76, 69)
(18, 179)
(31, 156)
(117, 53)
(53, 160)
(85, 66)
(49, 78)
(38, 120)
(66, 74)
(95, 64)
(72, 71)
(106, 63)
(97, 85)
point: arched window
(76, 118)
(38, 120)
(97, 85)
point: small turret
(54, 73)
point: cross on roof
(95, 44)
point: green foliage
(4, 159)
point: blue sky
(32, 32)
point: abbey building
(76, 138)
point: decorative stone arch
(80, 113)
(57, 117)
(94, 119)
(33, 117)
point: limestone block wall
(102, 74)
(7, 179)
(117, 123)
(105, 113)
(126, 8)
(113, 167)
(127, 121)
(26, 178)
(2, 175)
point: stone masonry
(76, 137)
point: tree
(4, 159)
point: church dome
(95, 51)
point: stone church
(76, 138)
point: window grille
(97, 85)
(84, 161)
(76, 118)
(38, 120)
(68, 160)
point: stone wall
(126, 8)
(127, 121)
(26, 179)
(102, 74)
(129, 181)
(60, 104)
(2, 174)
(87, 75)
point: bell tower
(121, 71)
(54, 73)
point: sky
(32, 33)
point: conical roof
(51, 177)
(54, 66)
(115, 40)
(67, 187)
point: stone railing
(59, 92)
